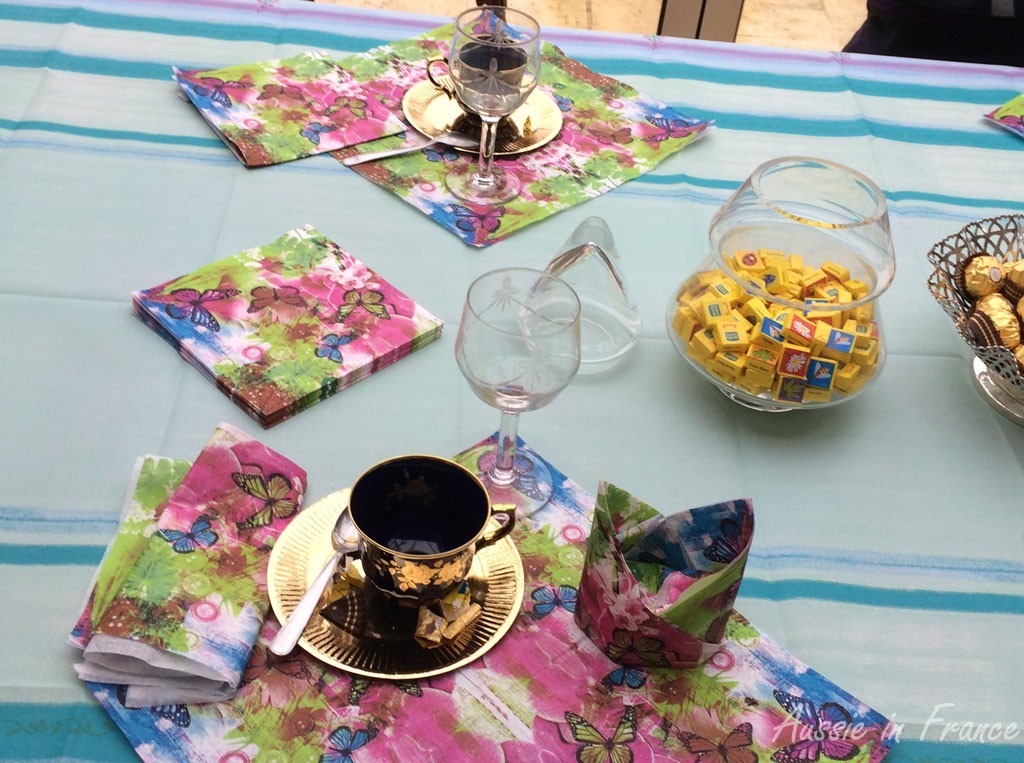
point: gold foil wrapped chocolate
(994, 304)
(982, 330)
(1008, 326)
(982, 275)
(1013, 281)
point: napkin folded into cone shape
(178, 622)
(657, 591)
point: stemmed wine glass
(495, 64)
(518, 346)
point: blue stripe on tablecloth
(221, 31)
(616, 67)
(105, 134)
(78, 731)
(755, 588)
(163, 25)
(873, 596)
(84, 731)
(995, 139)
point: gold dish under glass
(995, 371)
(495, 580)
(433, 111)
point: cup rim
(540, 275)
(879, 212)
(533, 28)
(422, 557)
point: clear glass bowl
(782, 313)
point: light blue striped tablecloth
(890, 546)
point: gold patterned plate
(495, 579)
(432, 111)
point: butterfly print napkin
(178, 605)
(544, 692)
(276, 111)
(282, 326)
(611, 133)
(665, 581)
(1010, 115)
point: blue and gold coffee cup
(420, 521)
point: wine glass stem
(484, 176)
(504, 472)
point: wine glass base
(530, 488)
(467, 184)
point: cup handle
(509, 510)
(443, 82)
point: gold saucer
(496, 580)
(432, 111)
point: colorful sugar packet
(545, 690)
(282, 326)
(279, 110)
(611, 133)
(1010, 115)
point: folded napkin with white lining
(181, 596)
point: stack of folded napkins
(180, 598)
(276, 111)
(282, 326)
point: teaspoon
(345, 540)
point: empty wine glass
(494, 63)
(518, 346)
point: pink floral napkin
(282, 326)
(611, 133)
(545, 692)
(276, 111)
(180, 599)
(658, 591)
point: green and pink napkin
(544, 692)
(276, 111)
(283, 326)
(611, 134)
(1010, 115)
(180, 598)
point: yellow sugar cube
(754, 309)
(809, 282)
(748, 260)
(685, 323)
(858, 289)
(831, 317)
(724, 288)
(867, 355)
(822, 330)
(730, 335)
(829, 290)
(846, 377)
(730, 364)
(798, 329)
(796, 261)
(835, 271)
(713, 310)
(816, 395)
(864, 313)
(774, 278)
(702, 345)
(762, 360)
(751, 385)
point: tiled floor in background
(809, 24)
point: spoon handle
(288, 636)
(373, 156)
